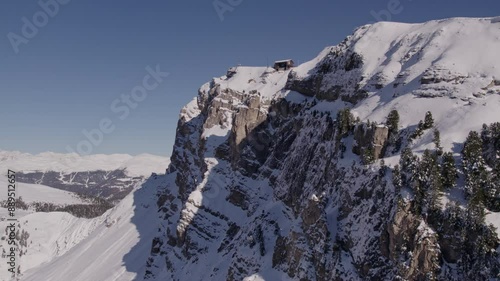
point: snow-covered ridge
(468, 44)
(135, 166)
(450, 67)
(227, 186)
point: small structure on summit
(231, 72)
(283, 64)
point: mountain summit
(298, 174)
(369, 162)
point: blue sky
(65, 76)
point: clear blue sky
(65, 77)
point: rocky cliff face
(267, 181)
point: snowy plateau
(361, 164)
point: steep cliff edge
(297, 175)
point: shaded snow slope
(50, 235)
(117, 247)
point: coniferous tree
(396, 178)
(490, 135)
(493, 193)
(449, 173)
(485, 134)
(419, 131)
(345, 121)
(383, 169)
(473, 165)
(474, 241)
(478, 256)
(368, 156)
(408, 163)
(428, 121)
(393, 121)
(437, 142)
(428, 184)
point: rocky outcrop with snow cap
(275, 180)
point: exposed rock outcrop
(373, 137)
(265, 185)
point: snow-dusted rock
(257, 147)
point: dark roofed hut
(283, 65)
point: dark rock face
(275, 194)
(438, 75)
(260, 184)
(374, 137)
(245, 121)
(275, 151)
(342, 66)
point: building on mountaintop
(283, 64)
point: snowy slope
(265, 80)
(460, 55)
(50, 235)
(116, 248)
(140, 165)
(40, 193)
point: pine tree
(396, 178)
(408, 163)
(428, 121)
(368, 156)
(474, 168)
(428, 184)
(493, 193)
(419, 131)
(383, 169)
(449, 173)
(393, 121)
(490, 135)
(437, 142)
(345, 121)
(485, 134)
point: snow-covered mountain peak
(278, 175)
(274, 169)
(400, 52)
(449, 67)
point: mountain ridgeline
(370, 162)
